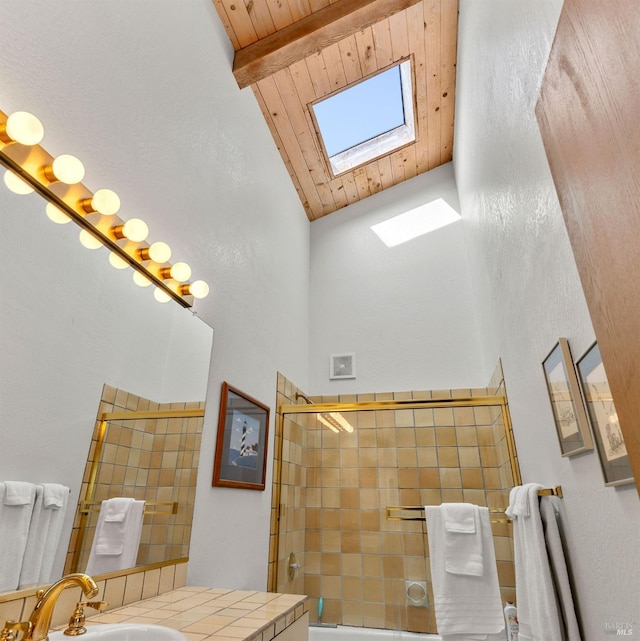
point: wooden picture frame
(570, 416)
(242, 442)
(614, 459)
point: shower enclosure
(346, 466)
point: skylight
(367, 120)
(416, 222)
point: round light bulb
(141, 280)
(67, 169)
(117, 262)
(106, 202)
(56, 214)
(180, 272)
(159, 252)
(89, 241)
(24, 128)
(161, 296)
(135, 230)
(15, 184)
(199, 289)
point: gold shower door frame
(87, 504)
(319, 408)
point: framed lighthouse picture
(241, 446)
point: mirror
(69, 324)
(144, 451)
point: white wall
(144, 95)
(529, 292)
(406, 311)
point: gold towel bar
(552, 491)
(404, 508)
(171, 507)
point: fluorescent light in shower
(416, 222)
(335, 422)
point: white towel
(538, 614)
(117, 509)
(44, 534)
(463, 540)
(559, 571)
(117, 537)
(55, 496)
(18, 493)
(519, 501)
(466, 606)
(459, 517)
(16, 506)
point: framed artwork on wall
(568, 408)
(241, 445)
(604, 418)
(342, 365)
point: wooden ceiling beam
(309, 35)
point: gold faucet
(40, 618)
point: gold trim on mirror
(139, 569)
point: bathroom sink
(124, 632)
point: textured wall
(144, 95)
(407, 312)
(528, 286)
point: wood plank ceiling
(294, 52)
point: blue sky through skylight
(361, 112)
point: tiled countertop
(213, 614)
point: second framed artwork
(569, 413)
(612, 451)
(241, 446)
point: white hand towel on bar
(538, 614)
(55, 496)
(16, 506)
(117, 536)
(44, 534)
(116, 509)
(463, 540)
(466, 606)
(19, 493)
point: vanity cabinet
(297, 631)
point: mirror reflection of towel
(16, 506)
(117, 537)
(44, 534)
(18, 493)
(54, 496)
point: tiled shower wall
(288, 497)
(336, 487)
(151, 459)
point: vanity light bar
(93, 212)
